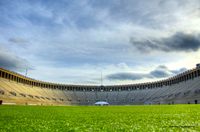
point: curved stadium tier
(183, 88)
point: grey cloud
(12, 62)
(18, 40)
(126, 76)
(177, 42)
(179, 70)
(159, 72)
(154, 13)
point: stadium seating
(183, 88)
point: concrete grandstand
(183, 88)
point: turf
(94, 118)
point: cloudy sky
(73, 41)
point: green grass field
(93, 118)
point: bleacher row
(12, 92)
(18, 89)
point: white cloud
(65, 38)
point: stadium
(180, 89)
(52, 53)
(27, 105)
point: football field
(96, 118)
